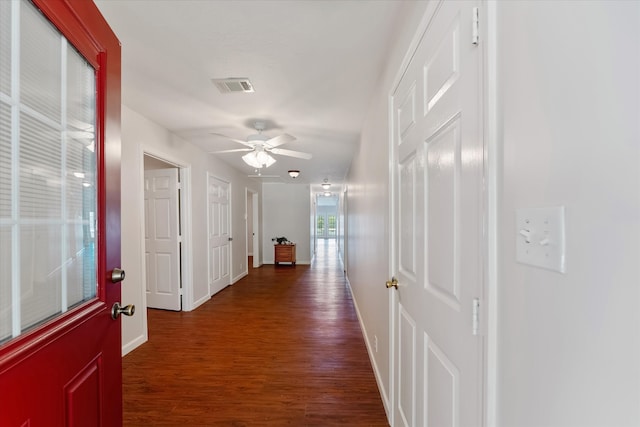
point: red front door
(60, 349)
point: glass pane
(5, 161)
(320, 229)
(331, 225)
(5, 203)
(40, 63)
(5, 47)
(80, 179)
(5, 283)
(48, 199)
(40, 273)
(40, 169)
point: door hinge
(475, 31)
(475, 314)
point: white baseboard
(199, 302)
(133, 344)
(376, 371)
(238, 277)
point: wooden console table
(285, 253)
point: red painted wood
(39, 371)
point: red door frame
(50, 376)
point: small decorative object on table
(281, 240)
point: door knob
(117, 275)
(117, 310)
(393, 283)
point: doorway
(162, 235)
(327, 217)
(165, 189)
(253, 229)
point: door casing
(185, 220)
(171, 297)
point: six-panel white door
(437, 165)
(219, 234)
(162, 239)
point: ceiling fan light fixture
(294, 173)
(258, 159)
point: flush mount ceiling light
(327, 194)
(258, 159)
(294, 173)
(326, 185)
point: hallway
(280, 347)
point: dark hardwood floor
(281, 347)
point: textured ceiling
(314, 66)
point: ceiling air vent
(233, 85)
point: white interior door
(256, 231)
(219, 234)
(437, 166)
(162, 239)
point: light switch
(540, 237)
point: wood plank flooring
(281, 347)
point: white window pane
(81, 179)
(5, 206)
(40, 63)
(5, 47)
(80, 97)
(5, 161)
(40, 169)
(5, 283)
(48, 198)
(40, 291)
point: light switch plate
(540, 240)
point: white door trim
(492, 172)
(185, 215)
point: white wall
(569, 344)
(285, 212)
(142, 135)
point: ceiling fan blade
(291, 153)
(239, 141)
(279, 140)
(231, 151)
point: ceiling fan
(260, 147)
